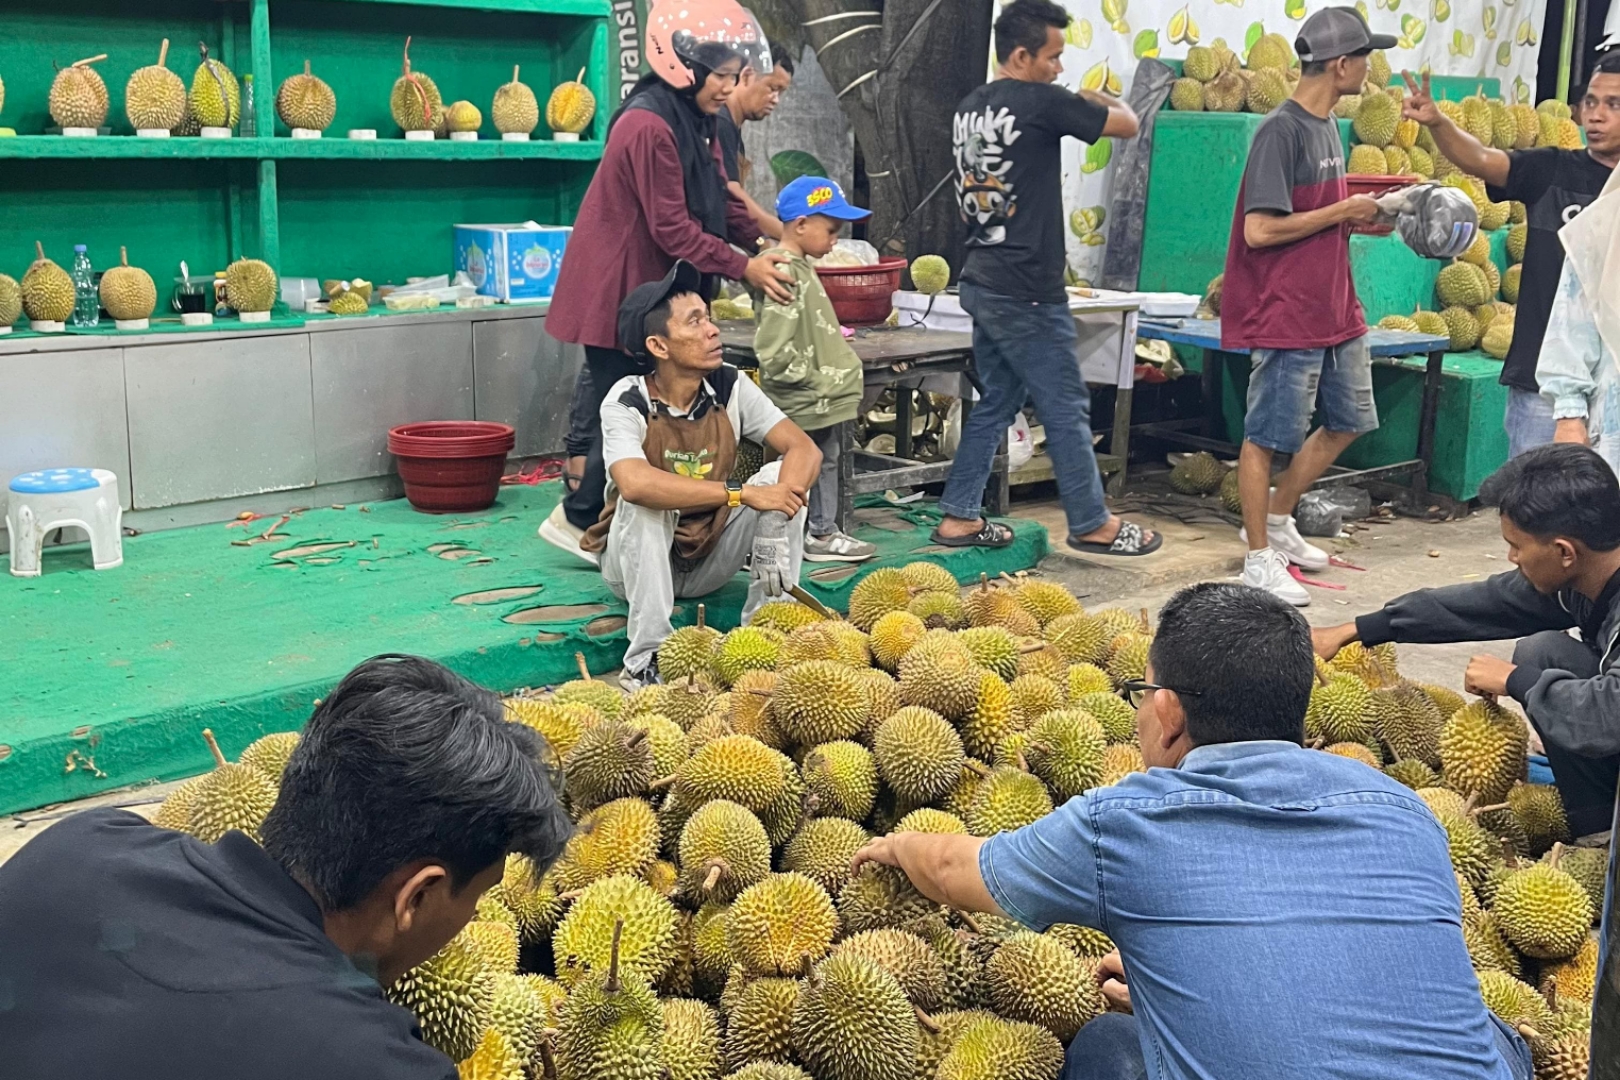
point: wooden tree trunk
(901, 66)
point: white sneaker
(1268, 569)
(837, 547)
(558, 531)
(1283, 535)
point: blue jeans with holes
(1109, 1048)
(1023, 349)
(1529, 421)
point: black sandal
(1131, 541)
(990, 535)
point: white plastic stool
(49, 499)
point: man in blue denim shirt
(1280, 913)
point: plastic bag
(1323, 512)
(849, 253)
(1020, 442)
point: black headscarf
(694, 132)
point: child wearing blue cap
(805, 365)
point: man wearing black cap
(674, 524)
(1289, 301)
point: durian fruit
(522, 1007)
(1543, 911)
(1197, 474)
(833, 640)
(992, 717)
(1007, 799)
(878, 593)
(1231, 498)
(605, 699)
(723, 850)
(1408, 723)
(1187, 95)
(1082, 639)
(937, 610)
(1413, 773)
(1224, 93)
(47, 290)
(251, 285)
(690, 1046)
(819, 701)
(306, 102)
(1066, 751)
(78, 97)
(1567, 135)
(1482, 751)
(611, 1025)
(610, 761)
(1266, 91)
(1421, 162)
(1347, 106)
(1460, 286)
(1398, 322)
(994, 1048)
(1488, 950)
(822, 849)
(495, 1059)
(618, 837)
(231, 797)
(1201, 64)
(749, 710)
(907, 957)
(1127, 661)
(1357, 752)
(1510, 283)
(1574, 978)
(1514, 1002)
(452, 996)
(1494, 216)
(1270, 51)
(759, 1024)
(174, 812)
(919, 754)
(560, 725)
(1119, 761)
(532, 898)
(1479, 252)
(779, 924)
(1084, 680)
(1366, 160)
(689, 650)
(1498, 338)
(1526, 123)
(1516, 238)
(1375, 121)
(784, 616)
(215, 98)
(588, 937)
(415, 102)
(735, 767)
(1396, 163)
(893, 634)
(843, 777)
(515, 109)
(1476, 110)
(571, 106)
(1033, 696)
(11, 302)
(745, 649)
(941, 676)
(1116, 716)
(1590, 867)
(496, 944)
(1473, 850)
(464, 116)
(270, 753)
(1430, 322)
(988, 605)
(1461, 327)
(853, 1021)
(878, 896)
(155, 98)
(1037, 979)
(127, 292)
(930, 274)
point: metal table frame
(890, 357)
(1382, 344)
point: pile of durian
(703, 923)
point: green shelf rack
(331, 207)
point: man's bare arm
(944, 868)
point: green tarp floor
(107, 679)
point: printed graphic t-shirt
(1554, 186)
(1008, 137)
(1299, 295)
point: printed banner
(1499, 40)
(628, 28)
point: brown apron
(700, 446)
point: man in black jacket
(129, 951)
(1560, 509)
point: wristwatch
(733, 494)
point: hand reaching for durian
(1111, 977)
(1487, 676)
(1328, 640)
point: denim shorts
(1285, 384)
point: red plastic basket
(1368, 184)
(451, 466)
(862, 295)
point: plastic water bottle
(87, 298)
(247, 126)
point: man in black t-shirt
(756, 97)
(1008, 137)
(1554, 185)
(133, 951)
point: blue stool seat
(51, 481)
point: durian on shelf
(702, 922)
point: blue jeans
(1286, 384)
(1109, 1048)
(1020, 347)
(1529, 421)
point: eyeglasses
(1135, 690)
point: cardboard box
(513, 263)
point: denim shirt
(1282, 913)
(1576, 370)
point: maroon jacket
(632, 227)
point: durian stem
(213, 746)
(984, 582)
(571, 895)
(700, 616)
(1557, 853)
(1529, 1033)
(975, 767)
(1145, 624)
(584, 672)
(406, 70)
(925, 1021)
(1031, 647)
(1509, 856)
(580, 78)
(636, 740)
(306, 67)
(1023, 763)
(87, 61)
(1468, 803)
(1040, 747)
(514, 74)
(1492, 808)
(39, 251)
(1552, 992)
(612, 984)
(163, 53)
(548, 1063)
(662, 784)
(712, 879)
(123, 256)
(969, 921)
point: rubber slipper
(990, 535)
(1129, 542)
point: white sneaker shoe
(837, 547)
(1268, 569)
(1283, 536)
(558, 531)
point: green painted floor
(107, 679)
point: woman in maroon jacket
(659, 195)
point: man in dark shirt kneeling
(131, 951)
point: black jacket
(129, 952)
(1581, 715)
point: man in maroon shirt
(1289, 301)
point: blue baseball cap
(816, 195)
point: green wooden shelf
(333, 149)
(525, 7)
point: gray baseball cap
(1337, 31)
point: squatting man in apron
(674, 524)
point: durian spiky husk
(415, 102)
(306, 101)
(127, 292)
(155, 97)
(251, 285)
(515, 108)
(78, 95)
(216, 97)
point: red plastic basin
(451, 466)
(862, 295)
